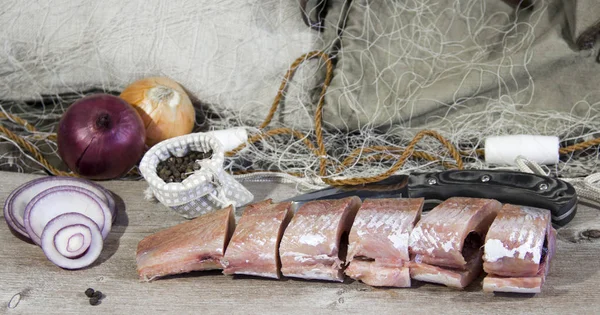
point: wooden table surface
(43, 288)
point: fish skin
(380, 233)
(310, 245)
(254, 246)
(438, 238)
(198, 244)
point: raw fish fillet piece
(198, 244)
(254, 246)
(450, 277)
(513, 245)
(381, 275)
(513, 284)
(518, 250)
(439, 238)
(378, 241)
(310, 246)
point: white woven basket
(208, 189)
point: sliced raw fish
(310, 246)
(198, 244)
(376, 274)
(513, 284)
(514, 243)
(254, 246)
(378, 241)
(455, 278)
(446, 244)
(438, 239)
(518, 249)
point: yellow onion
(164, 106)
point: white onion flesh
(14, 208)
(73, 240)
(58, 200)
(61, 223)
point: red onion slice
(58, 200)
(59, 223)
(14, 207)
(73, 240)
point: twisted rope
(28, 146)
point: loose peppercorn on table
(31, 284)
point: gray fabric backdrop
(397, 61)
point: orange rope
(321, 151)
(579, 146)
(28, 146)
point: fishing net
(465, 69)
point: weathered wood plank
(47, 289)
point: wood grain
(44, 288)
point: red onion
(16, 202)
(101, 137)
(68, 217)
(76, 223)
(55, 201)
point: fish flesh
(379, 275)
(518, 249)
(454, 278)
(198, 244)
(493, 283)
(514, 243)
(378, 241)
(439, 237)
(254, 246)
(450, 237)
(310, 246)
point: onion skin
(101, 137)
(164, 106)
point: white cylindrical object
(230, 138)
(503, 150)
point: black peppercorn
(94, 300)
(176, 169)
(89, 292)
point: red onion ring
(55, 201)
(61, 222)
(73, 240)
(16, 202)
